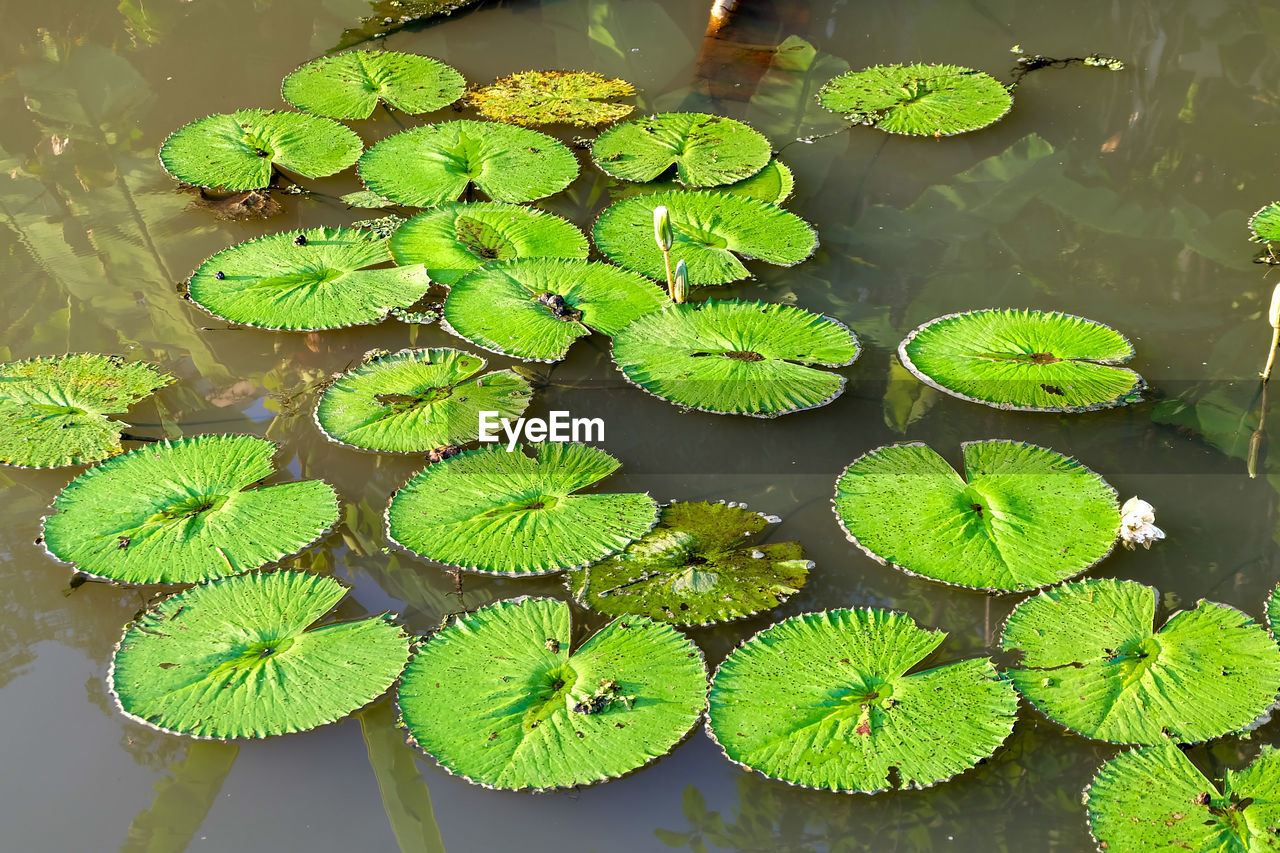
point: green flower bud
(680, 287)
(662, 228)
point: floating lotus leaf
(553, 97)
(534, 309)
(238, 658)
(1265, 224)
(53, 410)
(706, 150)
(702, 564)
(1022, 516)
(429, 165)
(921, 100)
(455, 238)
(417, 400)
(1024, 361)
(505, 513)
(503, 699)
(350, 85)
(366, 199)
(182, 511)
(710, 231)
(241, 150)
(306, 280)
(829, 700)
(1094, 664)
(1273, 613)
(736, 358)
(773, 185)
(1154, 798)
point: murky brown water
(1118, 196)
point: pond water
(1121, 197)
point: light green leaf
(921, 100)
(705, 150)
(350, 85)
(580, 98)
(773, 185)
(1265, 224)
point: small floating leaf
(553, 97)
(183, 511)
(351, 84)
(1094, 664)
(706, 150)
(1024, 361)
(921, 100)
(53, 410)
(1265, 224)
(503, 699)
(829, 700)
(238, 658)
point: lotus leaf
(1265, 224)
(772, 185)
(921, 100)
(706, 150)
(350, 85)
(553, 97)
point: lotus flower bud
(680, 286)
(1273, 313)
(662, 228)
(1137, 524)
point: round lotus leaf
(1094, 664)
(535, 309)
(709, 230)
(240, 658)
(429, 165)
(706, 150)
(324, 278)
(773, 185)
(503, 699)
(736, 358)
(505, 513)
(1024, 361)
(830, 700)
(579, 98)
(455, 238)
(1265, 224)
(703, 563)
(414, 401)
(1022, 517)
(53, 410)
(241, 150)
(921, 100)
(183, 511)
(1154, 798)
(351, 84)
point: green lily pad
(703, 563)
(455, 238)
(921, 100)
(535, 309)
(1024, 361)
(502, 512)
(736, 358)
(53, 410)
(1273, 613)
(772, 185)
(1094, 664)
(183, 511)
(710, 230)
(1265, 224)
(350, 85)
(706, 150)
(429, 165)
(306, 280)
(1022, 517)
(579, 98)
(502, 699)
(1154, 798)
(241, 150)
(414, 401)
(830, 700)
(241, 658)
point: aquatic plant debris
(1138, 524)
(706, 150)
(243, 657)
(581, 98)
(919, 100)
(350, 85)
(503, 699)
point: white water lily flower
(1137, 524)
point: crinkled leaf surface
(503, 699)
(53, 409)
(921, 100)
(711, 230)
(500, 512)
(773, 185)
(736, 358)
(182, 511)
(455, 238)
(830, 700)
(237, 151)
(350, 85)
(703, 563)
(326, 282)
(1265, 224)
(1024, 361)
(579, 98)
(1022, 516)
(429, 165)
(417, 400)
(1094, 663)
(706, 150)
(512, 308)
(238, 658)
